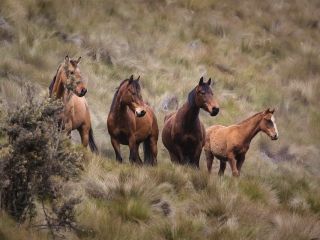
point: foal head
(204, 97)
(268, 124)
(131, 96)
(71, 77)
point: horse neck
(251, 127)
(189, 113)
(119, 109)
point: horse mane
(54, 81)
(117, 92)
(191, 97)
(249, 118)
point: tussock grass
(260, 53)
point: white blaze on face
(275, 125)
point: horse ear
(201, 81)
(131, 79)
(271, 110)
(138, 79)
(266, 111)
(79, 59)
(209, 82)
(67, 59)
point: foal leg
(223, 165)
(240, 160)
(209, 157)
(232, 162)
(116, 147)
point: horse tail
(148, 156)
(92, 143)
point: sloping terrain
(260, 53)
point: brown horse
(183, 134)
(69, 86)
(131, 121)
(232, 143)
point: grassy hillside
(260, 53)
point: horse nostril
(83, 91)
(214, 111)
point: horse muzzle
(83, 92)
(274, 137)
(214, 111)
(140, 112)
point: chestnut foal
(232, 143)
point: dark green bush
(37, 153)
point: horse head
(204, 97)
(71, 77)
(268, 124)
(131, 96)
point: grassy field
(260, 53)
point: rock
(6, 30)
(169, 103)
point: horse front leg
(240, 161)
(223, 165)
(232, 162)
(209, 158)
(133, 146)
(196, 156)
(116, 148)
(84, 134)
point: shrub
(37, 158)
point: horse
(232, 143)
(131, 122)
(183, 133)
(69, 86)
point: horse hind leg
(209, 157)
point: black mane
(191, 97)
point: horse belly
(218, 145)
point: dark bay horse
(69, 86)
(131, 121)
(232, 143)
(183, 134)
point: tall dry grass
(260, 53)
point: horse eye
(202, 92)
(72, 72)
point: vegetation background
(260, 53)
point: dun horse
(183, 134)
(69, 86)
(131, 121)
(232, 143)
